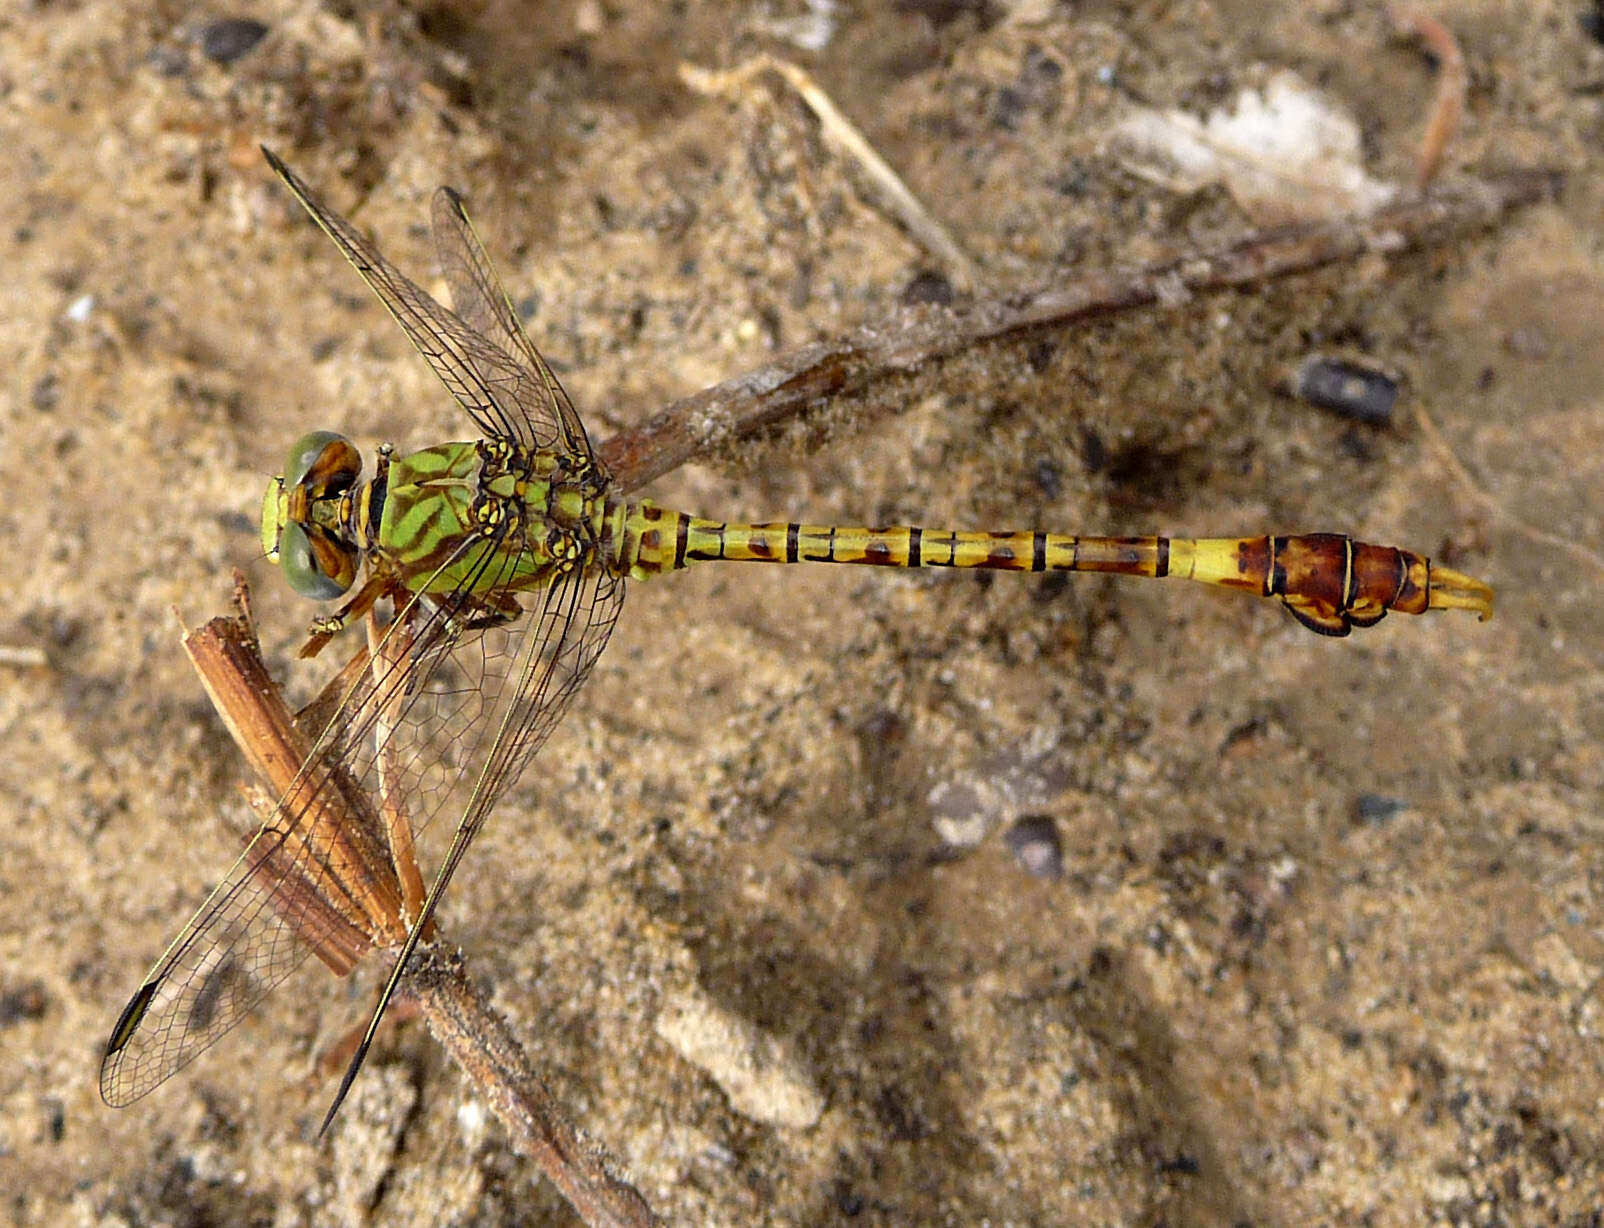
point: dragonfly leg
(325, 629)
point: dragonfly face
(307, 523)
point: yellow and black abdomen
(1330, 582)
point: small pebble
(1377, 809)
(167, 61)
(1008, 108)
(1361, 393)
(589, 18)
(227, 40)
(763, 1078)
(46, 392)
(23, 1003)
(1034, 843)
(958, 813)
(928, 287)
(1527, 341)
(1592, 21)
(1049, 477)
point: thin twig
(344, 899)
(1445, 455)
(840, 133)
(1448, 103)
(719, 416)
(354, 903)
(488, 1052)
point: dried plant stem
(344, 899)
(355, 903)
(488, 1052)
(852, 365)
(1453, 81)
(841, 134)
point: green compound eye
(325, 459)
(321, 574)
(321, 466)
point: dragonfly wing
(497, 392)
(229, 957)
(304, 883)
(550, 652)
(443, 725)
(552, 659)
(493, 693)
(484, 306)
(455, 699)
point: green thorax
(446, 511)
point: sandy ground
(1329, 932)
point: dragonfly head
(304, 516)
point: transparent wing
(442, 717)
(507, 396)
(444, 728)
(568, 633)
(243, 941)
(484, 306)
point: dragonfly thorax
(309, 516)
(484, 518)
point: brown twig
(488, 1052)
(1445, 454)
(352, 901)
(355, 903)
(841, 134)
(1448, 103)
(874, 354)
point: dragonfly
(504, 560)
